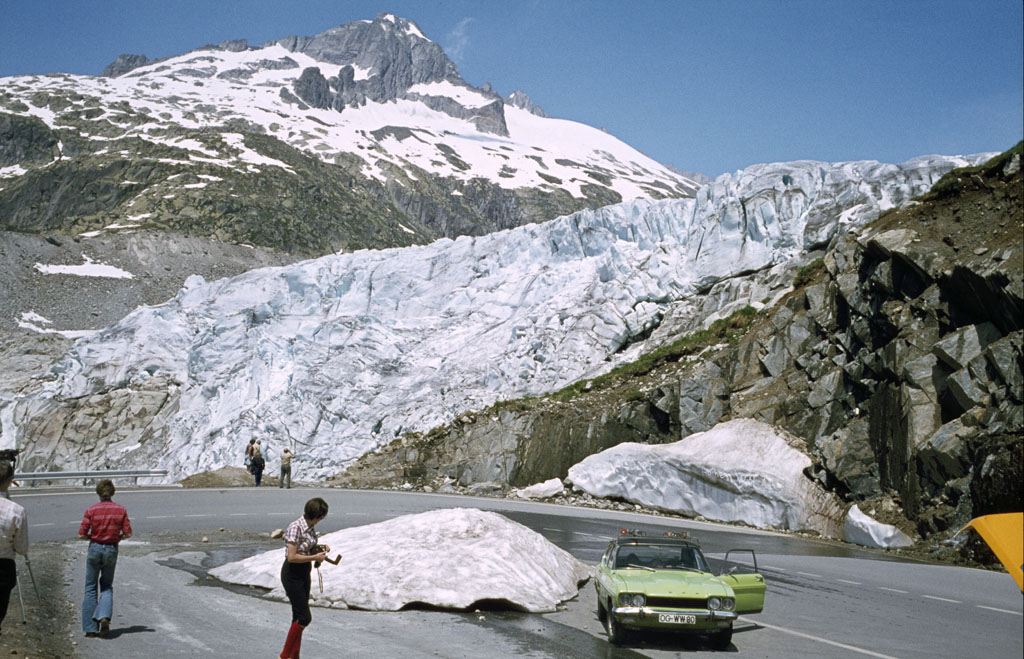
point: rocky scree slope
(896, 354)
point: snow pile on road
(548, 488)
(863, 530)
(445, 558)
(739, 471)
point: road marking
(243, 514)
(892, 590)
(821, 640)
(772, 567)
(992, 608)
(547, 529)
(809, 574)
(43, 524)
(589, 535)
(852, 583)
(160, 517)
(942, 599)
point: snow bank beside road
(739, 471)
(445, 558)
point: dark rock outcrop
(26, 141)
(125, 63)
(521, 100)
(312, 88)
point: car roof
(634, 540)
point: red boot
(298, 642)
(291, 644)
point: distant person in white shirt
(286, 468)
(13, 537)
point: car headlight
(632, 599)
(721, 603)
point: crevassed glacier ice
(338, 355)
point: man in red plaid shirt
(104, 525)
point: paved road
(823, 600)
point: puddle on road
(212, 558)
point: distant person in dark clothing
(13, 537)
(258, 464)
(301, 552)
(104, 525)
(248, 454)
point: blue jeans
(99, 570)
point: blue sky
(706, 86)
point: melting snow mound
(444, 558)
(739, 471)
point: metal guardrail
(86, 476)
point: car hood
(671, 583)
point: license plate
(677, 619)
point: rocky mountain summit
(895, 352)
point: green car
(664, 583)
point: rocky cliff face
(896, 354)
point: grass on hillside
(952, 181)
(724, 330)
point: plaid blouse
(304, 537)
(13, 529)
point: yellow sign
(1005, 537)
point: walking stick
(21, 600)
(33, 578)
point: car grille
(677, 602)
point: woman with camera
(302, 551)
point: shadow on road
(116, 632)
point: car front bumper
(644, 617)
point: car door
(602, 582)
(748, 585)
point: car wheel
(616, 632)
(602, 613)
(722, 639)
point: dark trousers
(8, 580)
(295, 577)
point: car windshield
(661, 557)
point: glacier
(335, 357)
